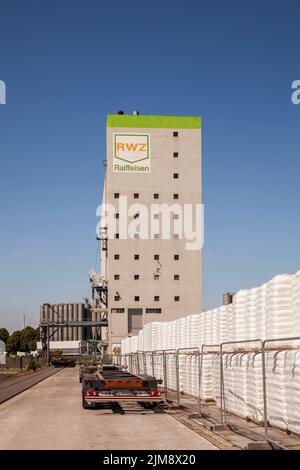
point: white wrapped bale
(239, 315)
(292, 390)
(194, 338)
(260, 320)
(279, 307)
(276, 390)
(254, 387)
(207, 378)
(296, 305)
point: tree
(13, 343)
(28, 339)
(4, 334)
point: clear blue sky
(67, 63)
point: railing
(132, 361)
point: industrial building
(69, 327)
(151, 161)
(65, 313)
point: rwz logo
(2, 92)
(131, 148)
(131, 153)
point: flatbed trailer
(113, 384)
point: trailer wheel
(84, 404)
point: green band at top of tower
(159, 122)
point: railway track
(14, 386)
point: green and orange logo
(131, 149)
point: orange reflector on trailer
(115, 384)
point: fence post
(165, 374)
(152, 357)
(199, 382)
(177, 377)
(221, 383)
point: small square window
(176, 298)
(136, 236)
(156, 236)
(116, 277)
(156, 196)
(176, 257)
(156, 298)
(117, 298)
(176, 277)
(136, 256)
(116, 256)
(175, 236)
(175, 134)
(137, 298)
(156, 257)
(175, 154)
(136, 277)
(156, 277)
(175, 196)
(156, 216)
(175, 216)
(116, 235)
(116, 195)
(117, 215)
(136, 195)
(175, 176)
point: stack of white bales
(126, 346)
(147, 337)
(158, 366)
(251, 315)
(292, 390)
(181, 325)
(190, 382)
(229, 323)
(194, 330)
(207, 377)
(279, 307)
(269, 311)
(134, 343)
(240, 308)
(260, 314)
(141, 340)
(206, 323)
(215, 365)
(239, 385)
(276, 390)
(254, 387)
(222, 324)
(214, 337)
(228, 381)
(296, 305)
(161, 335)
(170, 336)
(171, 370)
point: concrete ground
(50, 416)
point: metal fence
(21, 362)
(154, 362)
